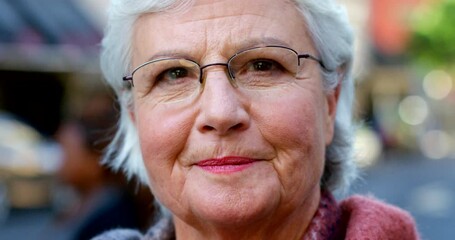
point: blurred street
(424, 187)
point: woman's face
(229, 155)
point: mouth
(226, 165)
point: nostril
(208, 128)
(237, 126)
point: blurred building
(48, 60)
(408, 105)
(58, 38)
(40, 48)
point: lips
(226, 164)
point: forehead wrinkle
(214, 46)
(212, 9)
(239, 46)
(232, 42)
(236, 16)
(223, 21)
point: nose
(223, 110)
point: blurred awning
(47, 35)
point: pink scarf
(359, 217)
(325, 224)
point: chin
(234, 204)
(238, 214)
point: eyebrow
(237, 47)
(262, 42)
(168, 54)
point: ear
(132, 115)
(332, 102)
(130, 109)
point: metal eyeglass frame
(227, 64)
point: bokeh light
(437, 84)
(367, 147)
(413, 110)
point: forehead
(220, 27)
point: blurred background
(51, 88)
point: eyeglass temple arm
(130, 79)
(308, 56)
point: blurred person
(102, 202)
(237, 114)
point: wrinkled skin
(284, 130)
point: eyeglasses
(258, 68)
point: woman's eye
(263, 65)
(174, 73)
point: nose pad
(230, 77)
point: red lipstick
(226, 164)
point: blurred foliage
(433, 34)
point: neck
(290, 224)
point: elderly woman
(237, 114)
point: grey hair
(328, 25)
(332, 35)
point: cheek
(294, 124)
(297, 134)
(162, 135)
(162, 131)
(296, 131)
